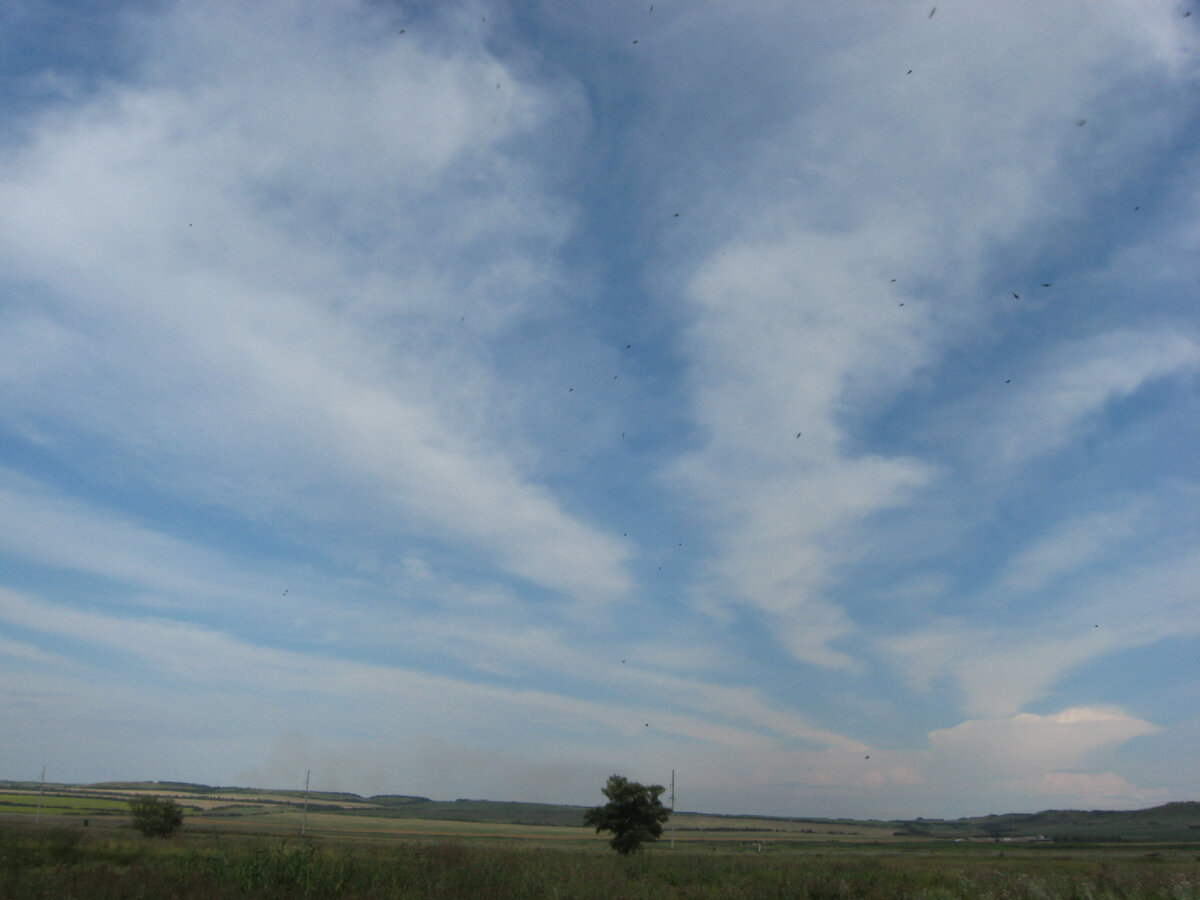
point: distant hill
(186, 787)
(1171, 822)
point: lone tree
(633, 814)
(156, 816)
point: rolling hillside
(1177, 822)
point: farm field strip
(714, 829)
(267, 804)
(278, 812)
(333, 824)
(108, 863)
(20, 803)
(207, 800)
(790, 828)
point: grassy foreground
(64, 862)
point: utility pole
(304, 821)
(672, 809)
(37, 819)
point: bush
(156, 816)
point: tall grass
(107, 863)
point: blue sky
(475, 399)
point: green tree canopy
(633, 814)
(156, 816)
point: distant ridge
(1177, 821)
(187, 787)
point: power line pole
(304, 821)
(672, 809)
(37, 819)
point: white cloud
(40, 527)
(25, 651)
(1092, 790)
(732, 738)
(1030, 747)
(196, 657)
(850, 252)
(1068, 392)
(478, 631)
(1070, 546)
(785, 333)
(257, 279)
(1031, 761)
(1000, 669)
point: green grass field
(12, 803)
(238, 842)
(114, 862)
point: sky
(477, 399)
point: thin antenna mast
(304, 821)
